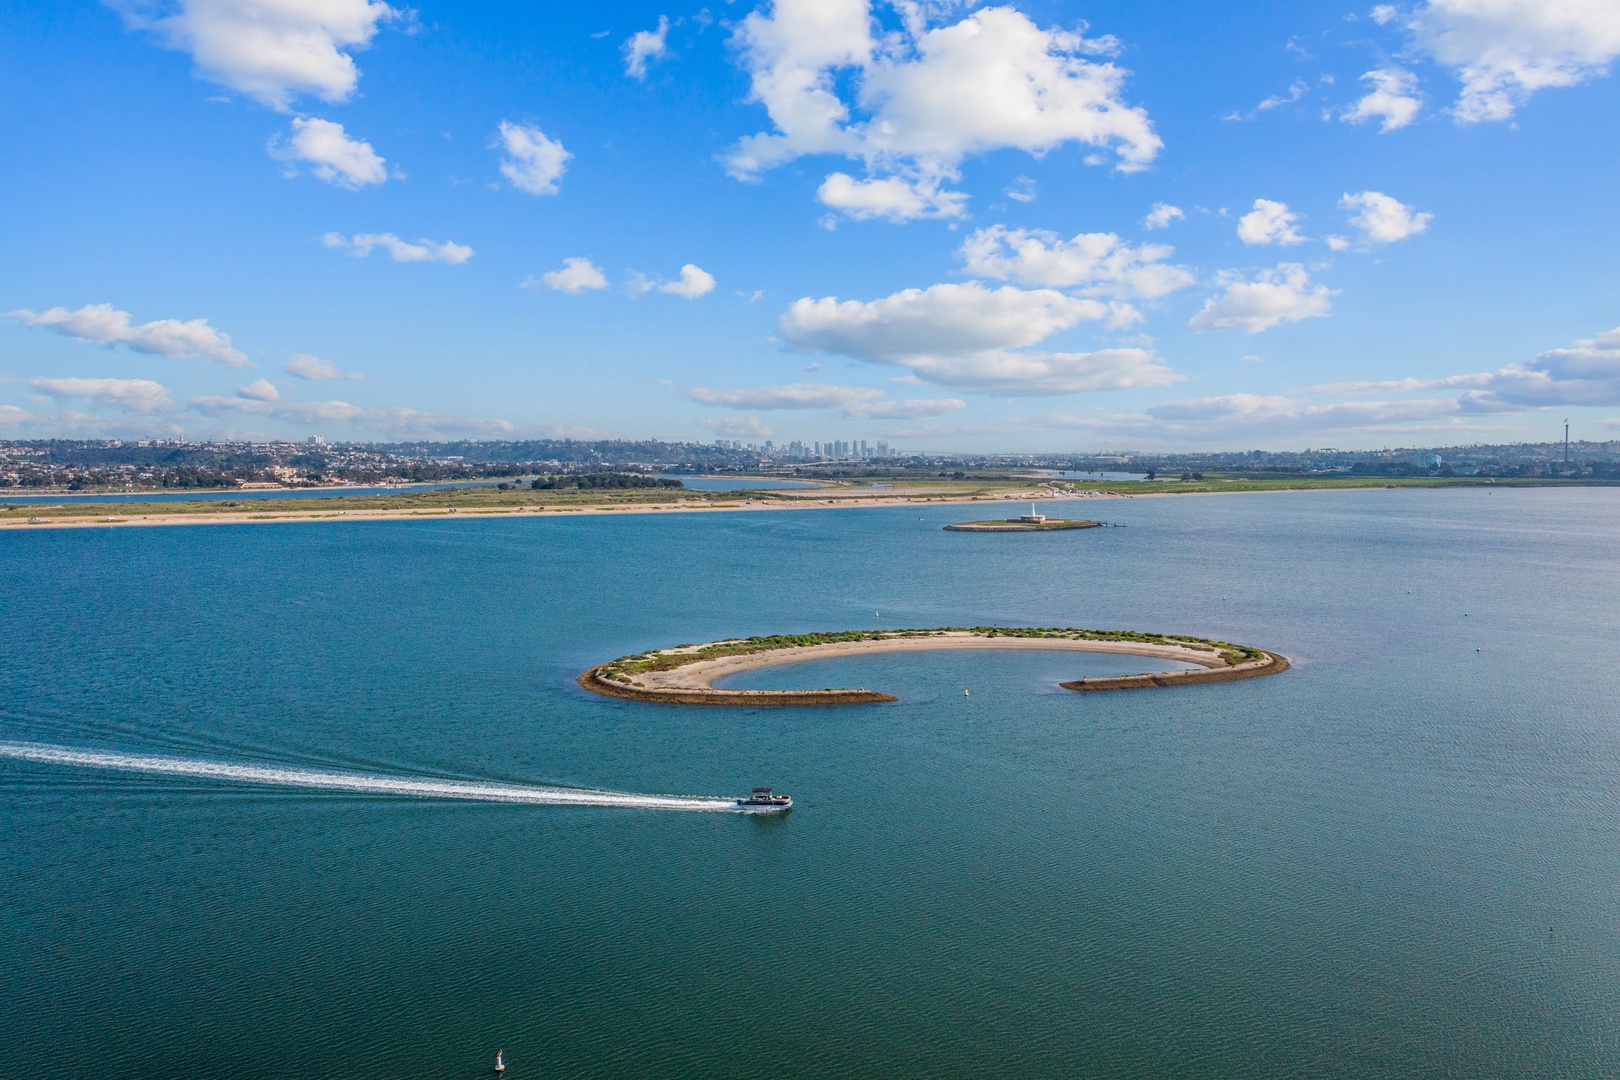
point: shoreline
(269, 516)
(691, 682)
(266, 514)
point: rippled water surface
(1398, 859)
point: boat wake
(358, 783)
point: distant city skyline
(1043, 227)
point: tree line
(601, 481)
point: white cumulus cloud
(314, 369)
(532, 162)
(968, 336)
(260, 390)
(793, 396)
(738, 427)
(854, 402)
(1296, 90)
(1276, 414)
(271, 50)
(1270, 222)
(1021, 190)
(102, 324)
(400, 422)
(913, 103)
(1092, 264)
(578, 274)
(941, 318)
(1281, 295)
(693, 283)
(1233, 417)
(327, 151)
(908, 409)
(1586, 374)
(1160, 215)
(893, 198)
(1407, 384)
(645, 46)
(132, 395)
(298, 412)
(397, 422)
(1504, 51)
(1393, 99)
(1382, 219)
(401, 251)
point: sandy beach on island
(703, 674)
(267, 515)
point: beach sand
(703, 674)
(268, 516)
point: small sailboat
(500, 1062)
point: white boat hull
(742, 807)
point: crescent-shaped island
(686, 674)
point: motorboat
(763, 801)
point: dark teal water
(1397, 860)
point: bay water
(1397, 859)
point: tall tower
(1566, 443)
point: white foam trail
(426, 788)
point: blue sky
(1043, 226)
